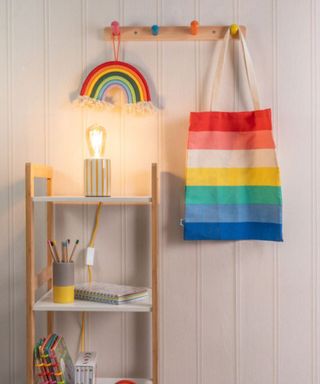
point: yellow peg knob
(234, 28)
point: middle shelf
(45, 303)
(89, 200)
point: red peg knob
(194, 27)
(115, 27)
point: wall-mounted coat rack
(194, 32)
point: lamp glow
(96, 137)
(97, 169)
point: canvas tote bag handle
(249, 71)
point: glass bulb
(96, 137)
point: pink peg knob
(115, 27)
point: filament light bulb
(96, 137)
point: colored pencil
(54, 246)
(67, 251)
(62, 252)
(52, 252)
(73, 250)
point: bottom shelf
(114, 380)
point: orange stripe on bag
(230, 140)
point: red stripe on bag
(230, 140)
(231, 121)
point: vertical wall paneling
(198, 244)
(314, 185)
(27, 138)
(84, 120)
(139, 132)
(256, 264)
(230, 312)
(275, 120)
(217, 281)
(108, 242)
(66, 138)
(180, 257)
(237, 105)
(295, 254)
(6, 274)
(162, 196)
(316, 31)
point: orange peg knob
(194, 27)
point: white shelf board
(114, 380)
(45, 303)
(97, 199)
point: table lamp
(97, 170)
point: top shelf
(88, 200)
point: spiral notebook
(109, 293)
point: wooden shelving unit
(44, 277)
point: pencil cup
(63, 283)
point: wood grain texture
(30, 273)
(179, 33)
(155, 266)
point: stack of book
(52, 361)
(109, 293)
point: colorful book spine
(52, 362)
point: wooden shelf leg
(33, 171)
(30, 272)
(50, 318)
(155, 312)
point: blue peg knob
(155, 30)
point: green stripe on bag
(233, 195)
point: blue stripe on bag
(232, 231)
(229, 213)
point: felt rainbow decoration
(117, 74)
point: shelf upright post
(33, 281)
(49, 258)
(154, 242)
(30, 271)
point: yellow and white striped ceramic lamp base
(97, 177)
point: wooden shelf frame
(36, 280)
(136, 200)
(171, 33)
(45, 304)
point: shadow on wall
(172, 202)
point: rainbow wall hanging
(116, 74)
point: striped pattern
(97, 177)
(232, 180)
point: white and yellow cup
(97, 177)
(63, 282)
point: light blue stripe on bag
(264, 213)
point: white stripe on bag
(250, 158)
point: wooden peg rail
(205, 33)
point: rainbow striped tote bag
(232, 179)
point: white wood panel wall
(231, 313)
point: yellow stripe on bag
(233, 176)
